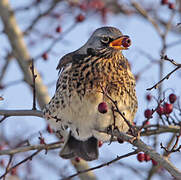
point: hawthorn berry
(2, 163)
(80, 18)
(77, 159)
(100, 143)
(154, 162)
(147, 123)
(160, 110)
(120, 140)
(58, 29)
(163, 2)
(126, 42)
(45, 56)
(147, 157)
(148, 97)
(171, 6)
(49, 129)
(14, 171)
(168, 108)
(148, 113)
(172, 98)
(102, 107)
(140, 157)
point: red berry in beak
(126, 42)
(102, 107)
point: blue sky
(143, 37)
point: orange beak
(121, 43)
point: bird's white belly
(84, 120)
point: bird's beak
(121, 43)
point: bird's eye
(105, 39)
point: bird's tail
(87, 150)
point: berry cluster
(166, 2)
(145, 157)
(167, 108)
(162, 109)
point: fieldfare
(88, 76)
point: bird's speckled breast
(79, 92)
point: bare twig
(166, 77)
(102, 165)
(33, 85)
(21, 162)
(32, 147)
(8, 113)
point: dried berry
(102, 107)
(172, 98)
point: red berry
(147, 123)
(168, 108)
(2, 163)
(126, 42)
(102, 107)
(148, 113)
(77, 159)
(100, 143)
(147, 157)
(42, 140)
(154, 162)
(141, 157)
(171, 6)
(45, 56)
(148, 97)
(58, 29)
(160, 110)
(120, 140)
(14, 171)
(172, 98)
(164, 2)
(80, 18)
(49, 129)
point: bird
(95, 73)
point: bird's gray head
(106, 37)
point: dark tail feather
(87, 150)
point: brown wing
(64, 61)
